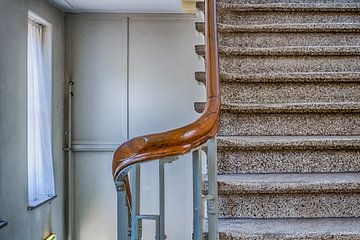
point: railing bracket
(169, 159)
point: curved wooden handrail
(181, 140)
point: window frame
(47, 61)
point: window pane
(40, 162)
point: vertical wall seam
(127, 78)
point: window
(39, 110)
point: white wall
(24, 224)
(98, 60)
(161, 93)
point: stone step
(286, 28)
(286, 229)
(279, 40)
(285, 51)
(290, 92)
(293, 17)
(312, 107)
(282, 154)
(281, 77)
(287, 7)
(262, 143)
(282, 183)
(281, 64)
(289, 195)
(288, 1)
(278, 13)
(341, 118)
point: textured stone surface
(277, 161)
(289, 195)
(289, 124)
(288, 1)
(284, 17)
(283, 183)
(271, 40)
(293, 107)
(280, 64)
(261, 143)
(296, 77)
(289, 144)
(248, 154)
(290, 205)
(290, 229)
(293, 6)
(286, 51)
(286, 28)
(290, 92)
(317, 6)
(325, 118)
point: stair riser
(284, 1)
(290, 205)
(265, 40)
(289, 124)
(228, 236)
(302, 161)
(256, 65)
(290, 92)
(273, 17)
(238, 236)
(280, 78)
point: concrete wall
(24, 224)
(161, 90)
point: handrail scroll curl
(184, 139)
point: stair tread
(286, 51)
(303, 27)
(288, 183)
(289, 142)
(312, 27)
(292, 107)
(301, 107)
(287, 77)
(314, 228)
(331, 6)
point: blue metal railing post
(122, 212)
(135, 203)
(162, 199)
(212, 208)
(197, 196)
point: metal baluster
(197, 196)
(162, 200)
(135, 203)
(155, 218)
(122, 212)
(212, 208)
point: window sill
(40, 202)
(3, 224)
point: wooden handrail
(181, 140)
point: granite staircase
(289, 139)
